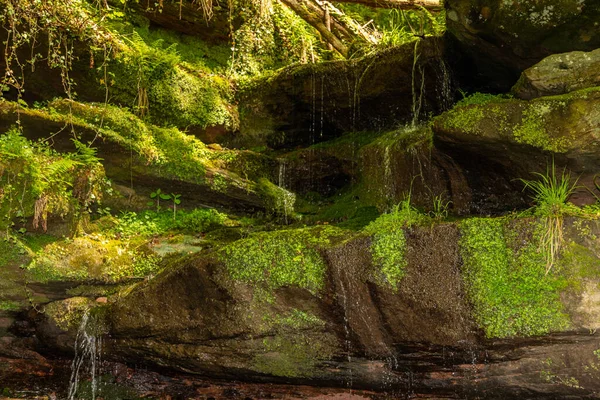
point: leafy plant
(37, 181)
(551, 193)
(158, 195)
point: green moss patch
(389, 242)
(504, 272)
(93, 257)
(293, 355)
(281, 258)
(67, 314)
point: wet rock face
(501, 38)
(419, 338)
(307, 104)
(559, 74)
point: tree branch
(432, 5)
(315, 16)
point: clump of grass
(551, 193)
(440, 207)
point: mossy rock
(67, 314)
(515, 137)
(154, 157)
(559, 74)
(499, 39)
(197, 307)
(306, 104)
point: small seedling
(158, 195)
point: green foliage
(440, 207)
(398, 27)
(92, 257)
(167, 90)
(551, 193)
(506, 280)
(8, 305)
(158, 195)
(270, 39)
(192, 52)
(177, 154)
(200, 220)
(37, 181)
(151, 223)
(281, 258)
(478, 98)
(389, 242)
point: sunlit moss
(506, 279)
(281, 258)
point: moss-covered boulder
(559, 74)
(306, 104)
(132, 150)
(502, 38)
(322, 306)
(515, 137)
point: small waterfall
(87, 360)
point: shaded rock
(404, 163)
(199, 321)
(498, 39)
(315, 171)
(559, 74)
(513, 138)
(379, 169)
(306, 104)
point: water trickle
(322, 106)
(87, 360)
(388, 178)
(444, 87)
(417, 96)
(281, 182)
(348, 342)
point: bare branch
(432, 5)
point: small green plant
(551, 193)
(440, 207)
(158, 195)
(596, 182)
